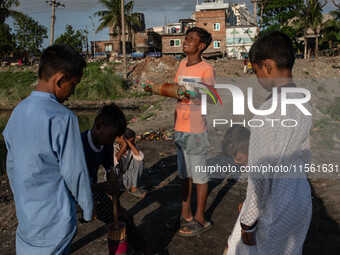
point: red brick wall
(141, 40)
(100, 46)
(166, 48)
(206, 20)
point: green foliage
(147, 115)
(77, 39)
(6, 40)
(321, 125)
(277, 13)
(334, 109)
(336, 14)
(99, 84)
(321, 89)
(331, 34)
(29, 34)
(5, 11)
(315, 14)
(86, 120)
(112, 16)
(15, 86)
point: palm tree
(336, 13)
(5, 11)
(331, 33)
(315, 20)
(112, 17)
(331, 30)
(302, 22)
(337, 5)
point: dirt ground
(160, 179)
(151, 214)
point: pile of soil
(164, 69)
(156, 69)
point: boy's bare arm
(247, 238)
(133, 147)
(122, 147)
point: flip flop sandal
(176, 222)
(196, 228)
(138, 193)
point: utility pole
(123, 34)
(94, 38)
(255, 16)
(54, 4)
(87, 42)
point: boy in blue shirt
(46, 165)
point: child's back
(277, 210)
(46, 164)
(35, 134)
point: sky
(76, 13)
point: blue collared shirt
(47, 169)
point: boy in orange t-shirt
(191, 132)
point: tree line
(294, 17)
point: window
(216, 26)
(175, 43)
(108, 47)
(217, 44)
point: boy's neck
(44, 86)
(94, 139)
(194, 59)
(282, 78)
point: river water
(85, 119)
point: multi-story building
(241, 16)
(239, 40)
(229, 25)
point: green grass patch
(321, 89)
(327, 143)
(144, 107)
(321, 125)
(139, 94)
(334, 109)
(98, 84)
(146, 116)
(15, 86)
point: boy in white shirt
(129, 162)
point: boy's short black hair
(112, 115)
(129, 133)
(205, 36)
(235, 140)
(60, 58)
(273, 45)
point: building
(229, 25)
(140, 40)
(241, 16)
(239, 40)
(148, 41)
(173, 38)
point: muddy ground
(153, 113)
